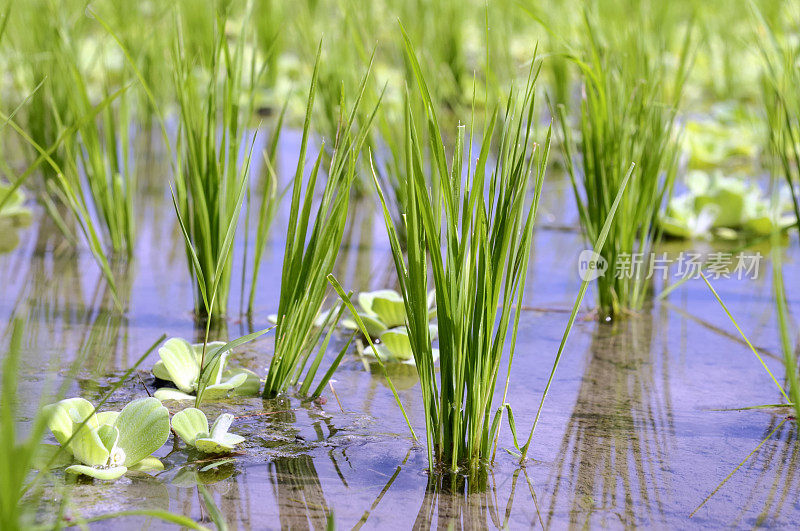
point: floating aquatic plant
(191, 425)
(182, 363)
(22, 490)
(382, 310)
(394, 346)
(726, 207)
(711, 144)
(383, 315)
(13, 215)
(13, 209)
(109, 444)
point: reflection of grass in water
(616, 437)
(778, 460)
(454, 500)
(298, 491)
(788, 460)
(106, 329)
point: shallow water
(631, 433)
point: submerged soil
(634, 431)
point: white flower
(117, 457)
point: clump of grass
(627, 115)
(54, 112)
(210, 181)
(780, 79)
(476, 233)
(312, 245)
(101, 155)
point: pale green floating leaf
(98, 473)
(213, 446)
(148, 464)
(213, 365)
(724, 206)
(88, 447)
(181, 364)
(398, 344)
(160, 371)
(230, 439)
(390, 311)
(109, 435)
(62, 415)
(107, 417)
(761, 225)
(366, 299)
(374, 327)
(221, 425)
(167, 393)
(143, 428)
(223, 389)
(51, 455)
(14, 210)
(251, 385)
(211, 347)
(219, 441)
(190, 424)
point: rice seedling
(781, 317)
(36, 46)
(780, 54)
(627, 115)
(70, 195)
(312, 244)
(68, 190)
(479, 250)
(790, 391)
(270, 16)
(210, 181)
(101, 155)
(787, 345)
(80, 171)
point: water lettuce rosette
(180, 364)
(191, 425)
(13, 215)
(383, 313)
(106, 445)
(723, 206)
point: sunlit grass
(213, 155)
(478, 249)
(313, 240)
(627, 115)
(780, 53)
